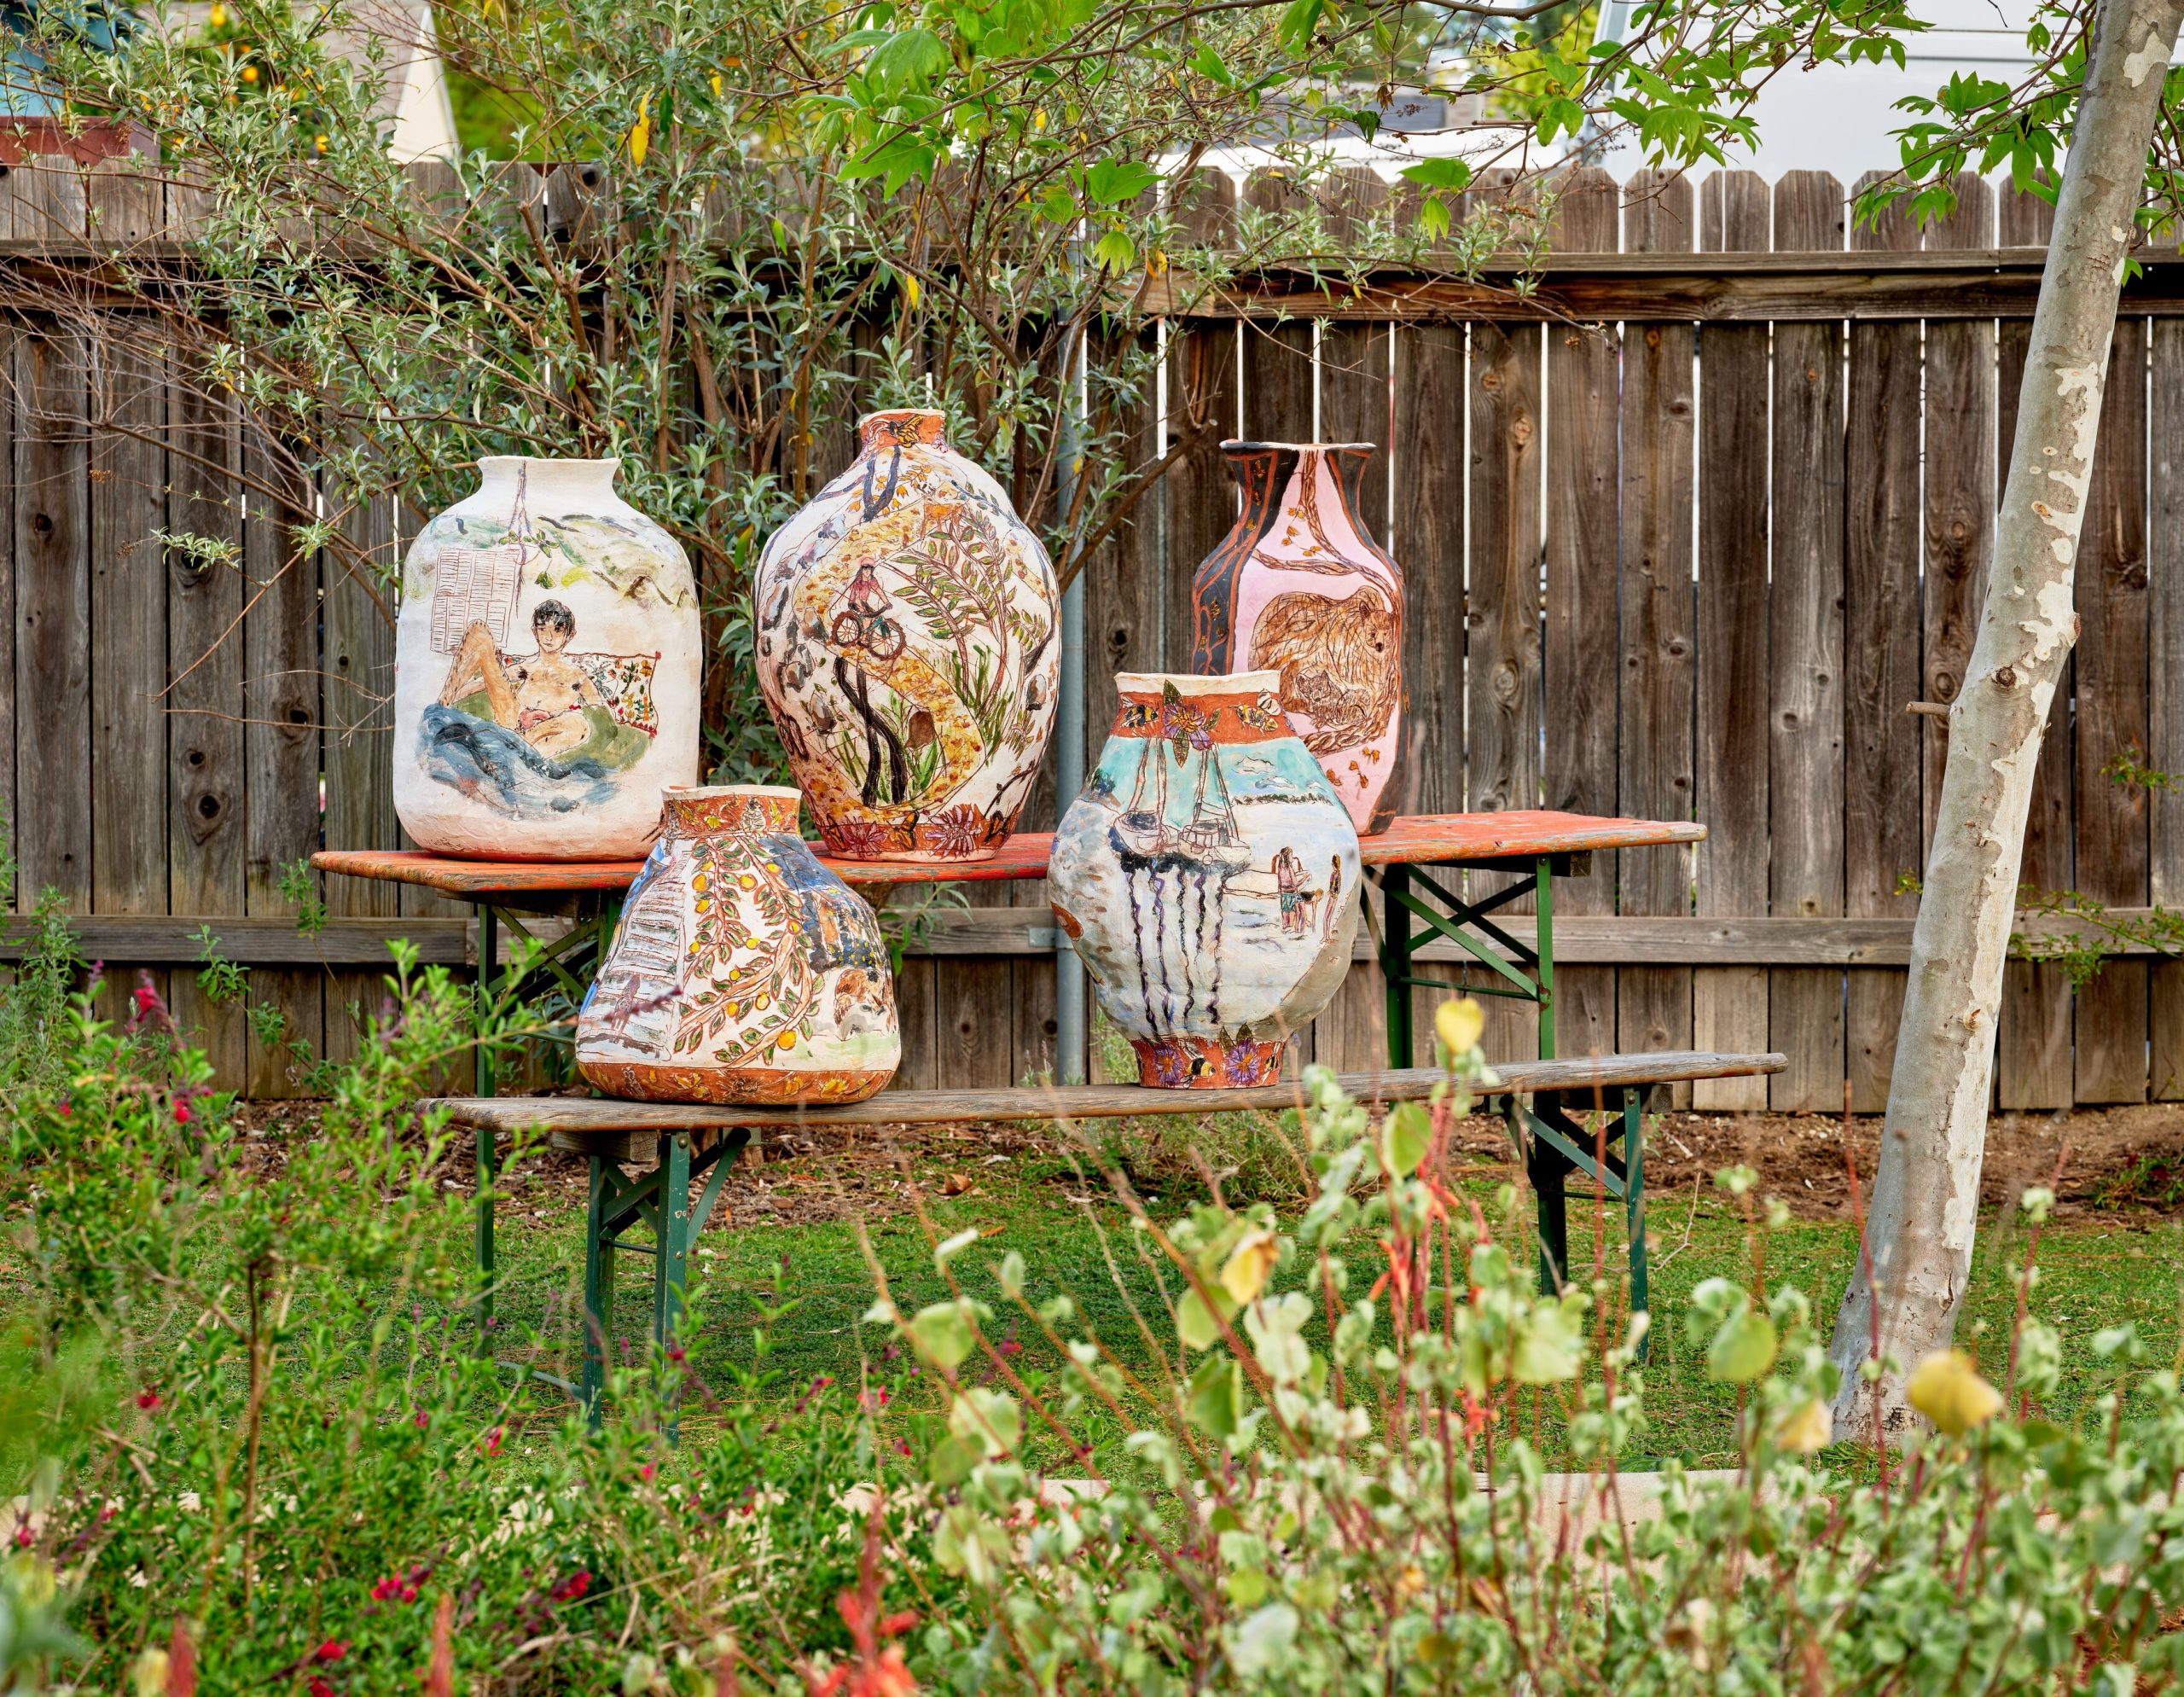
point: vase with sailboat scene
(1207, 876)
(741, 969)
(1300, 587)
(545, 670)
(907, 648)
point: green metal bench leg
(486, 1164)
(1546, 1168)
(1395, 962)
(1633, 1200)
(1543, 945)
(672, 1271)
(598, 1289)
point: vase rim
(1197, 683)
(486, 460)
(1239, 446)
(865, 418)
(714, 791)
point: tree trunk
(1926, 1197)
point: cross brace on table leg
(659, 1198)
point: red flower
(646, 1471)
(1010, 1346)
(147, 998)
(23, 1539)
(875, 1399)
(147, 1398)
(420, 1420)
(182, 1113)
(573, 1587)
(674, 1352)
(387, 1590)
(319, 1688)
(331, 1651)
(493, 1442)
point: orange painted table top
(1415, 840)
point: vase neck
(733, 810)
(546, 481)
(902, 428)
(1200, 711)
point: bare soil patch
(2123, 1163)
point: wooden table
(1534, 847)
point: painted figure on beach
(906, 647)
(1299, 588)
(1182, 876)
(556, 747)
(742, 970)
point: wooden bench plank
(579, 1116)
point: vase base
(910, 857)
(1191, 1063)
(752, 1087)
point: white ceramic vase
(909, 649)
(545, 670)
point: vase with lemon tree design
(741, 969)
(907, 648)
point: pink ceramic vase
(1299, 587)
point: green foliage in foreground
(250, 1404)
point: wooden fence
(1692, 562)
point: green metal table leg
(598, 1289)
(1395, 961)
(1544, 901)
(1634, 1200)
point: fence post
(1072, 1048)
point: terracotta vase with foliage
(907, 649)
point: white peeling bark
(1925, 1196)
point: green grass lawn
(788, 1299)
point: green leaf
(1298, 19)
(942, 1335)
(1550, 1344)
(1215, 1404)
(1451, 175)
(988, 1420)
(907, 58)
(1195, 1323)
(1406, 1136)
(951, 1461)
(1010, 1272)
(953, 1247)
(1115, 251)
(1211, 65)
(1742, 1350)
(1109, 183)
(1261, 1642)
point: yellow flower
(1249, 1264)
(641, 132)
(1803, 1431)
(250, 74)
(150, 1672)
(715, 85)
(218, 18)
(1946, 1388)
(1459, 1024)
